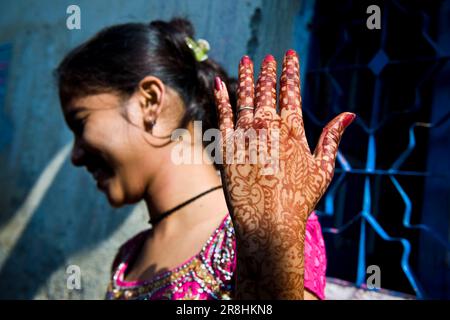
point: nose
(78, 153)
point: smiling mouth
(100, 176)
(101, 173)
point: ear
(151, 96)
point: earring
(150, 119)
(150, 123)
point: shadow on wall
(40, 241)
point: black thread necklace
(167, 213)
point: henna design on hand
(270, 211)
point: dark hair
(118, 57)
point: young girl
(123, 92)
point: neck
(173, 185)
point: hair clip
(200, 48)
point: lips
(101, 176)
(100, 172)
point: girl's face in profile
(110, 142)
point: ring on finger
(241, 108)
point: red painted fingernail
(218, 83)
(348, 119)
(269, 58)
(245, 60)
(290, 52)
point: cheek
(125, 152)
(124, 149)
(97, 136)
(108, 138)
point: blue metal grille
(386, 77)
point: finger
(223, 106)
(266, 93)
(290, 96)
(225, 114)
(327, 147)
(245, 94)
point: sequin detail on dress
(209, 274)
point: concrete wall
(51, 215)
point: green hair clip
(200, 48)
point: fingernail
(245, 60)
(218, 83)
(348, 119)
(290, 52)
(269, 58)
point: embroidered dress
(209, 274)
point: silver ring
(245, 108)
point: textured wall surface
(51, 215)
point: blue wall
(51, 215)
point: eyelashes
(77, 125)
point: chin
(114, 201)
(115, 197)
(118, 198)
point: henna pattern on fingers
(245, 93)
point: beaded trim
(208, 269)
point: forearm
(268, 265)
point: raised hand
(272, 197)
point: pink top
(209, 274)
